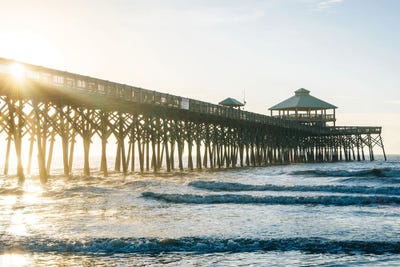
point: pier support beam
(39, 138)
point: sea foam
(236, 187)
(273, 200)
(195, 245)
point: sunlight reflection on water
(15, 260)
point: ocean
(326, 214)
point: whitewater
(325, 214)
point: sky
(344, 51)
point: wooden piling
(39, 139)
(7, 159)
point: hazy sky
(345, 52)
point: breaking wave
(375, 172)
(273, 200)
(197, 245)
(237, 187)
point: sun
(17, 71)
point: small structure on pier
(305, 108)
(231, 102)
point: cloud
(325, 4)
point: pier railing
(353, 130)
(307, 117)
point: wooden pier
(39, 106)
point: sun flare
(17, 71)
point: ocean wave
(380, 180)
(273, 200)
(374, 172)
(88, 189)
(11, 191)
(78, 191)
(237, 187)
(197, 245)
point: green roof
(231, 102)
(302, 100)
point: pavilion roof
(231, 102)
(302, 100)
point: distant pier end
(309, 110)
(306, 109)
(41, 108)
